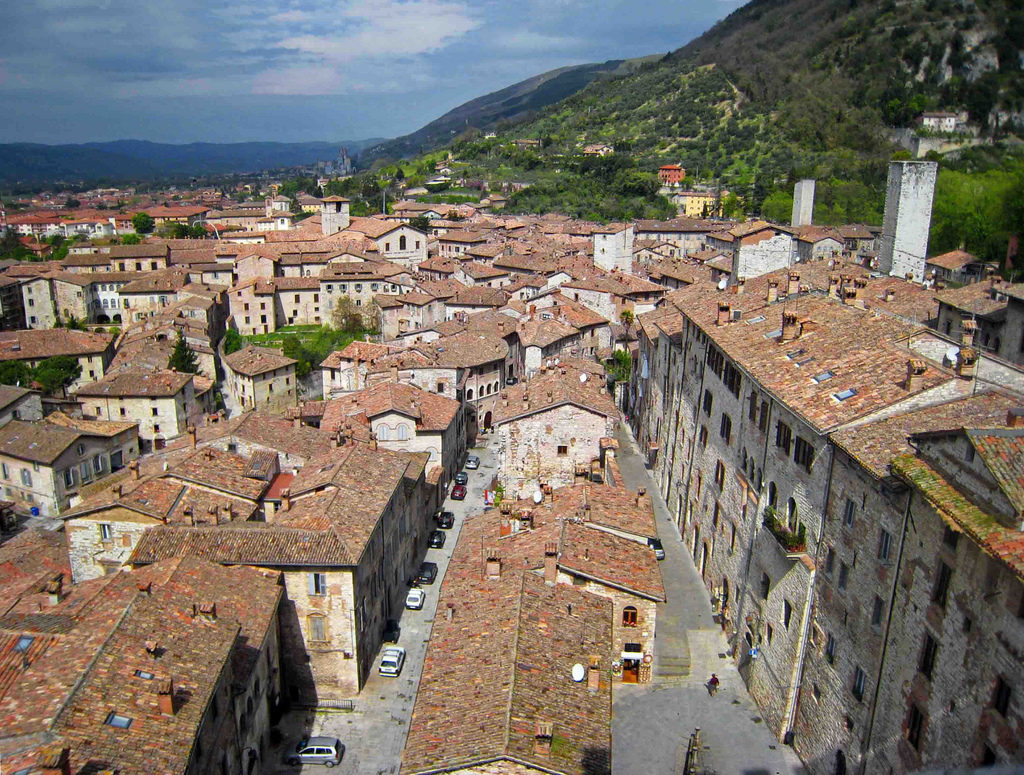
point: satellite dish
(723, 283)
(538, 496)
(952, 353)
(578, 672)
(583, 378)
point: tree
(232, 341)
(420, 222)
(292, 348)
(777, 207)
(57, 373)
(183, 358)
(627, 319)
(131, 239)
(197, 231)
(15, 373)
(346, 317)
(178, 231)
(143, 223)
(71, 203)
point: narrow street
(652, 723)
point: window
(106, 532)
(144, 675)
(80, 449)
(792, 515)
(720, 475)
(629, 616)
(563, 450)
(702, 437)
(752, 409)
(762, 417)
(725, 431)
(23, 644)
(859, 680)
(928, 651)
(884, 546)
(842, 395)
(849, 512)
(709, 401)
(115, 720)
(1001, 697)
(26, 477)
(830, 561)
(950, 538)
(787, 613)
(317, 631)
(876, 612)
(403, 433)
(69, 477)
(915, 722)
(803, 453)
(318, 584)
(766, 586)
(830, 649)
(783, 436)
(941, 590)
(844, 574)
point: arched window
(792, 517)
(629, 616)
(382, 433)
(401, 242)
(469, 394)
(773, 494)
(403, 433)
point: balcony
(794, 543)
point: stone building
(17, 403)
(803, 203)
(755, 248)
(260, 378)
(550, 427)
(93, 351)
(903, 247)
(345, 370)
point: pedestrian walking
(713, 685)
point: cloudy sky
(191, 70)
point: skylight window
(758, 319)
(23, 643)
(773, 334)
(794, 354)
(825, 376)
(842, 395)
(144, 674)
(805, 361)
(115, 720)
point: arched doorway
(487, 420)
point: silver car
(472, 462)
(327, 751)
(392, 660)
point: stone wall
(757, 258)
(907, 218)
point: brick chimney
(594, 674)
(493, 565)
(53, 759)
(543, 734)
(116, 490)
(134, 468)
(859, 284)
(833, 286)
(227, 512)
(208, 611)
(773, 291)
(970, 328)
(915, 370)
(55, 589)
(790, 327)
(286, 499)
(890, 294)
(165, 697)
(740, 286)
(550, 563)
(358, 362)
(192, 436)
(967, 363)
(724, 312)
(794, 284)
(1015, 418)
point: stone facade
(908, 215)
(614, 249)
(803, 203)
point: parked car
(437, 539)
(659, 550)
(392, 631)
(391, 661)
(472, 462)
(327, 751)
(511, 381)
(461, 478)
(415, 599)
(427, 573)
(445, 520)
(459, 492)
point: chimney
(967, 363)
(1015, 418)
(116, 490)
(890, 294)
(970, 328)
(297, 422)
(208, 611)
(915, 370)
(740, 286)
(773, 291)
(165, 697)
(833, 286)
(192, 436)
(54, 589)
(542, 738)
(594, 674)
(339, 439)
(227, 512)
(394, 372)
(790, 327)
(724, 311)
(449, 612)
(53, 759)
(794, 284)
(373, 440)
(286, 499)
(493, 565)
(357, 363)
(134, 468)
(550, 563)
(859, 284)
(145, 588)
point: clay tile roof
(985, 298)
(480, 296)
(550, 389)
(247, 543)
(151, 384)
(953, 260)
(611, 559)
(482, 271)
(463, 237)
(357, 349)
(432, 412)
(45, 343)
(253, 360)
(1003, 455)
(107, 428)
(9, 394)
(37, 442)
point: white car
(392, 660)
(472, 462)
(415, 599)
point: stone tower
(333, 215)
(803, 203)
(908, 216)
(613, 247)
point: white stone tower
(803, 203)
(333, 215)
(613, 247)
(908, 216)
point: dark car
(461, 478)
(437, 539)
(445, 520)
(392, 631)
(427, 573)
(459, 492)
(659, 550)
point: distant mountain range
(138, 159)
(517, 102)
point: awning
(638, 655)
